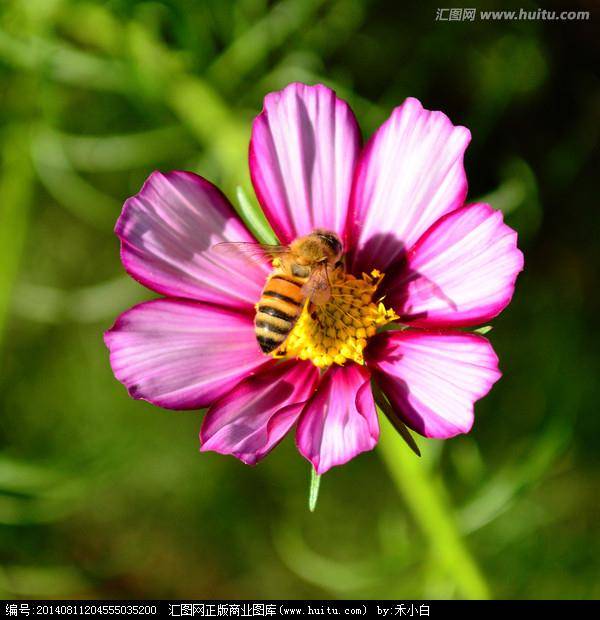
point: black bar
(286, 608)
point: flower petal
(303, 151)
(461, 272)
(167, 231)
(433, 379)
(340, 420)
(410, 174)
(182, 354)
(253, 418)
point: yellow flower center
(337, 331)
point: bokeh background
(102, 496)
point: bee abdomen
(272, 325)
(277, 311)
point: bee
(301, 275)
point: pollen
(338, 331)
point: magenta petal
(409, 175)
(253, 418)
(182, 354)
(433, 379)
(461, 272)
(167, 231)
(340, 420)
(303, 151)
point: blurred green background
(102, 496)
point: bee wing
(255, 252)
(318, 286)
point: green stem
(431, 510)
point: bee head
(332, 243)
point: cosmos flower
(420, 264)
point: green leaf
(483, 330)
(313, 494)
(254, 218)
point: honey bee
(301, 275)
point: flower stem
(429, 505)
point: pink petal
(304, 147)
(167, 231)
(340, 420)
(433, 379)
(253, 418)
(182, 354)
(410, 173)
(461, 272)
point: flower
(416, 256)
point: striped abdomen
(278, 310)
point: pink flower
(398, 205)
